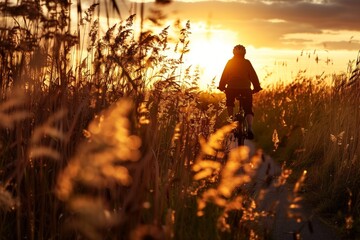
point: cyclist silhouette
(236, 81)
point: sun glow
(210, 53)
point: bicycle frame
(241, 130)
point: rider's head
(239, 50)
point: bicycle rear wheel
(241, 130)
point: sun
(210, 55)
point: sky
(279, 24)
(282, 37)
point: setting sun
(210, 50)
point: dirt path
(277, 199)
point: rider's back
(239, 74)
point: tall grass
(48, 101)
(102, 146)
(315, 126)
(334, 168)
(105, 136)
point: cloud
(341, 45)
(269, 23)
(265, 23)
(341, 14)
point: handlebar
(256, 90)
(253, 91)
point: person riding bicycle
(236, 80)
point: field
(105, 136)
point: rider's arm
(224, 77)
(254, 78)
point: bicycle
(241, 131)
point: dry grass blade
(42, 151)
(37, 148)
(94, 210)
(11, 109)
(101, 163)
(295, 208)
(238, 171)
(7, 201)
(47, 129)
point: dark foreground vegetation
(105, 136)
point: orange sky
(281, 36)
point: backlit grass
(108, 136)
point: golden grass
(121, 144)
(320, 135)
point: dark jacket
(239, 74)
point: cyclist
(236, 80)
